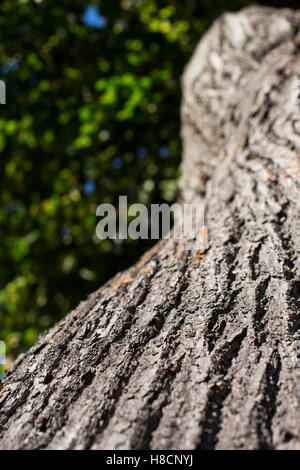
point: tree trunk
(193, 350)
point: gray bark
(185, 350)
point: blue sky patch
(92, 17)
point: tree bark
(193, 350)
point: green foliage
(91, 114)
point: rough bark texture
(193, 350)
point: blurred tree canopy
(93, 98)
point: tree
(86, 96)
(193, 350)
